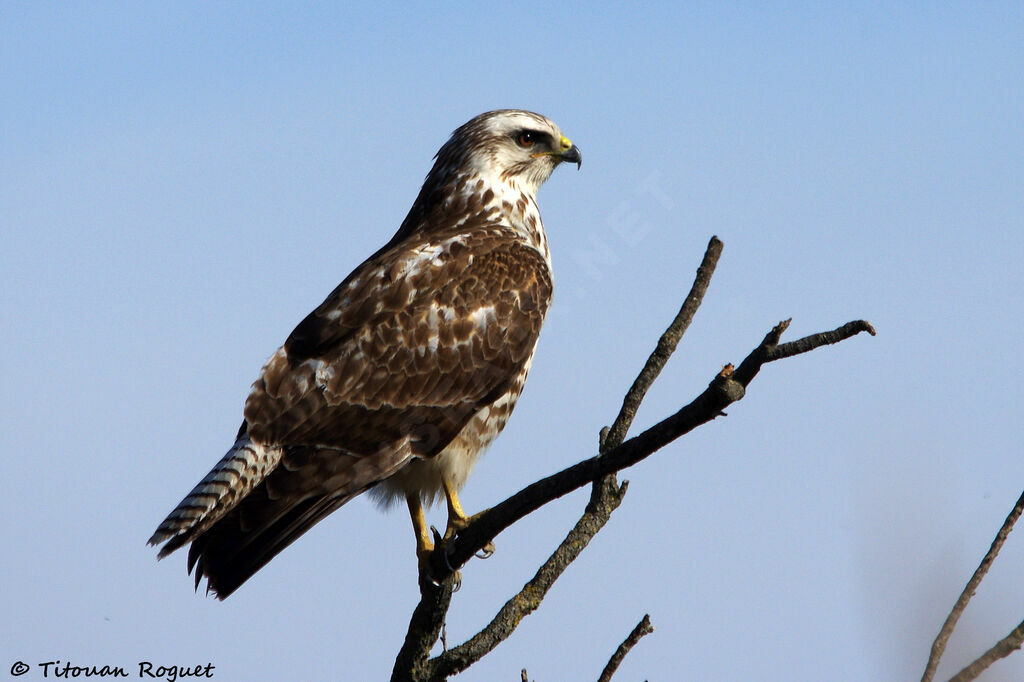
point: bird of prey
(406, 372)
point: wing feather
(391, 366)
(461, 327)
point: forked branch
(615, 454)
(726, 387)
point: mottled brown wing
(411, 346)
(392, 365)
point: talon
(428, 537)
(447, 563)
(459, 523)
(454, 526)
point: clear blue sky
(181, 183)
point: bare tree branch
(1003, 648)
(728, 386)
(605, 498)
(529, 598)
(424, 628)
(1006, 645)
(642, 628)
(666, 346)
(606, 489)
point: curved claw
(486, 552)
(425, 565)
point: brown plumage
(404, 374)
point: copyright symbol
(19, 668)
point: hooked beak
(569, 152)
(572, 155)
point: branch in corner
(1005, 646)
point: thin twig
(1003, 648)
(666, 346)
(771, 350)
(604, 489)
(642, 628)
(939, 646)
(786, 350)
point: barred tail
(244, 466)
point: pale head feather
(489, 146)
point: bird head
(511, 146)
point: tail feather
(309, 484)
(227, 556)
(244, 467)
(261, 498)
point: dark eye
(526, 138)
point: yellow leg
(457, 519)
(424, 545)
